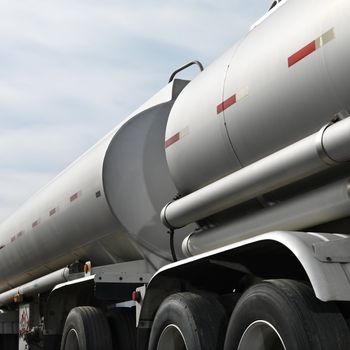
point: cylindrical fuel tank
(104, 207)
(286, 79)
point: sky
(70, 70)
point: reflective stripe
(74, 196)
(226, 104)
(305, 51)
(179, 135)
(311, 47)
(325, 38)
(241, 94)
(172, 140)
(232, 100)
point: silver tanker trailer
(215, 217)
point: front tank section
(102, 208)
(295, 68)
(285, 80)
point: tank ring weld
(232, 100)
(321, 152)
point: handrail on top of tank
(189, 64)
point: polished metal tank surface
(76, 216)
(286, 79)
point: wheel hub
(171, 339)
(72, 342)
(261, 335)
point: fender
(321, 258)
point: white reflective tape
(325, 38)
(184, 132)
(242, 94)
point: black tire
(190, 322)
(123, 325)
(289, 316)
(86, 328)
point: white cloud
(42, 148)
(72, 69)
(16, 186)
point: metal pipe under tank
(311, 155)
(328, 203)
(36, 286)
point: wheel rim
(72, 342)
(261, 335)
(171, 339)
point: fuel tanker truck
(215, 217)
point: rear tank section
(282, 82)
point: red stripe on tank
(52, 212)
(301, 54)
(35, 223)
(226, 104)
(74, 196)
(172, 140)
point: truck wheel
(123, 327)
(86, 328)
(187, 321)
(285, 315)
